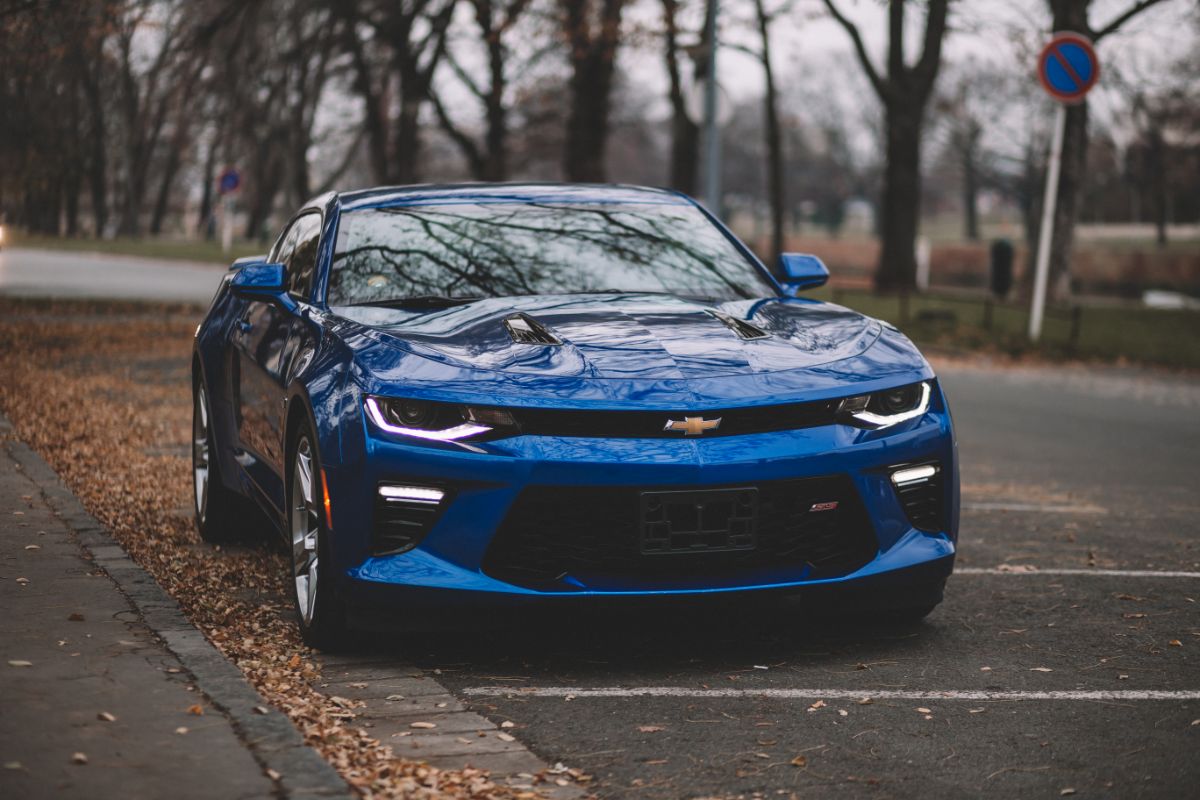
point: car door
(265, 342)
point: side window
(302, 260)
(285, 245)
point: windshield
(517, 248)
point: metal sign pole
(1046, 233)
(712, 137)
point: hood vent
(527, 330)
(741, 327)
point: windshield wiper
(422, 301)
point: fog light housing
(404, 514)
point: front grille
(650, 424)
(558, 537)
(925, 502)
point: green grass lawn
(176, 249)
(1166, 337)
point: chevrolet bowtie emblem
(692, 426)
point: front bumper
(448, 566)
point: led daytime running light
(445, 435)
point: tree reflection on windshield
(494, 249)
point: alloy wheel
(200, 452)
(305, 524)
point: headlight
(441, 422)
(886, 408)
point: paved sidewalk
(92, 703)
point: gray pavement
(72, 651)
(105, 689)
(96, 276)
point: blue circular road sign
(229, 181)
(1068, 67)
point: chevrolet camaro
(481, 397)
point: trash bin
(1002, 267)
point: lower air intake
(557, 537)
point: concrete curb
(271, 738)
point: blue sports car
(484, 396)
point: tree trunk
(901, 211)
(406, 163)
(1158, 182)
(970, 186)
(775, 188)
(685, 133)
(170, 170)
(495, 167)
(593, 59)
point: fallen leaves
(79, 758)
(105, 716)
(651, 728)
(423, 725)
(16, 662)
(75, 616)
(800, 761)
(1040, 669)
(196, 710)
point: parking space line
(1034, 508)
(1023, 569)
(834, 694)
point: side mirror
(259, 280)
(802, 271)
(264, 282)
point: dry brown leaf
(76, 617)
(16, 662)
(196, 710)
(800, 761)
(105, 716)
(79, 758)
(650, 728)
(423, 725)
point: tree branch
(1123, 17)
(880, 86)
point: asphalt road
(1011, 679)
(55, 273)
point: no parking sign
(1068, 69)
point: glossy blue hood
(631, 351)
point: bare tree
(904, 91)
(771, 128)
(685, 131)
(395, 46)
(592, 29)
(494, 22)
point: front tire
(319, 611)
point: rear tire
(320, 612)
(222, 515)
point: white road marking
(1022, 569)
(1037, 509)
(834, 694)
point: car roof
(581, 193)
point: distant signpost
(228, 184)
(1068, 69)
